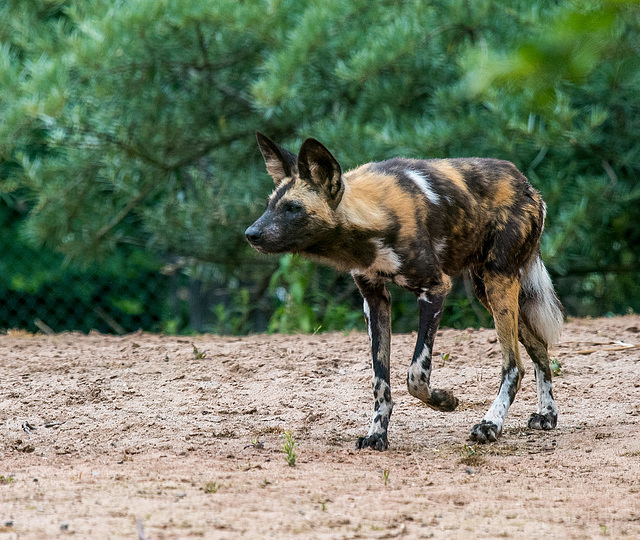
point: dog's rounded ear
(321, 169)
(279, 161)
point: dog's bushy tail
(539, 304)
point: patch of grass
(556, 367)
(289, 448)
(470, 456)
(270, 430)
(503, 449)
(212, 487)
(5, 480)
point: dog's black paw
(377, 442)
(543, 421)
(484, 432)
(443, 400)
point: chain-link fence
(41, 293)
(83, 300)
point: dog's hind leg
(502, 296)
(547, 415)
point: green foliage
(234, 318)
(293, 313)
(127, 140)
(40, 289)
(303, 303)
(289, 448)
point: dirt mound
(179, 437)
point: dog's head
(301, 209)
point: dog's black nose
(253, 234)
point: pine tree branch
(227, 90)
(185, 64)
(148, 157)
(210, 146)
(127, 147)
(125, 212)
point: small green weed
(385, 476)
(199, 355)
(444, 358)
(289, 448)
(256, 443)
(6, 480)
(212, 487)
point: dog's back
(452, 214)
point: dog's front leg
(377, 311)
(431, 303)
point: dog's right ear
(280, 162)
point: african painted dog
(419, 223)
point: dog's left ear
(279, 161)
(320, 168)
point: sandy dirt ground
(144, 437)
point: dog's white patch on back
(422, 182)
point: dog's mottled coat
(418, 223)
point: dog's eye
(293, 207)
